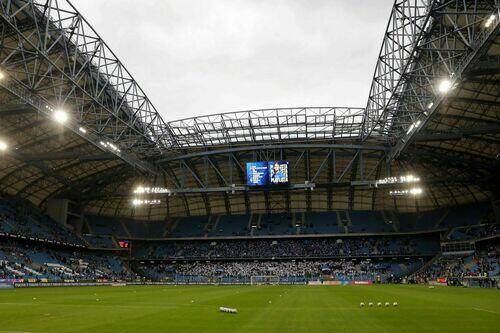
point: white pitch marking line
(490, 311)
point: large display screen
(257, 173)
(267, 173)
(278, 172)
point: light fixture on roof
(139, 202)
(83, 130)
(400, 193)
(413, 126)
(110, 146)
(2, 75)
(398, 180)
(430, 105)
(416, 191)
(3, 145)
(60, 116)
(139, 190)
(151, 190)
(489, 21)
(444, 86)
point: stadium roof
(433, 110)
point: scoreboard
(267, 173)
(257, 173)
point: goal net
(264, 279)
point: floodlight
(413, 126)
(489, 21)
(416, 191)
(138, 202)
(112, 146)
(60, 116)
(2, 75)
(444, 86)
(83, 130)
(3, 145)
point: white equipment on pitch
(227, 310)
(387, 304)
(361, 304)
(379, 304)
(370, 304)
(395, 304)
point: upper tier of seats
(482, 262)
(20, 217)
(307, 223)
(473, 232)
(100, 242)
(423, 244)
(39, 262)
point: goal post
(264, 279)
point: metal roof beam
(42, 107)
(413, 114)
(68, 53)
(468, 100)
(56, 156)
(15, 109)
(408, 24)
(457, 135)
(277, 146)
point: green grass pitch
(260, 309)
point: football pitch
(260, 309)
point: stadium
(372, 218)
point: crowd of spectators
(38, 262)
(333, 269)
(288, 248)
(342, 268)
(473, 232)
(483, 264)
(57, 254)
